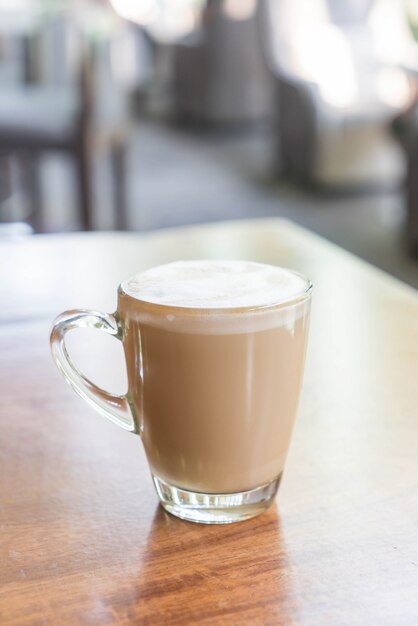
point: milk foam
(215, 284)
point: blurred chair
(406, 130)
(36, 119)
(338, 82)
(17, 20)
(219, 71)
(67, 114)
(412, 195)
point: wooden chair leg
(118, 160)
(84, 173)
(5, 177)
(29, 165)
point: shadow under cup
(214, 395)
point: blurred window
(412, 13)
(333, 73)
(349, 12)
(239, 9)
(166, 20)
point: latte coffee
(221, 370)
(215, 354)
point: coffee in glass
(215, 354)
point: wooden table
(82, 538)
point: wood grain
(82, 539)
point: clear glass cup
(212, 393)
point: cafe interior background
(128, 115)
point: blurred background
(146, 114)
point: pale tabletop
(82, 538)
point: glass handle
(115, 408)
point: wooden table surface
(82, 538)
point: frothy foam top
(215, 284)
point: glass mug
(215, 355)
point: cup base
(213, 508)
